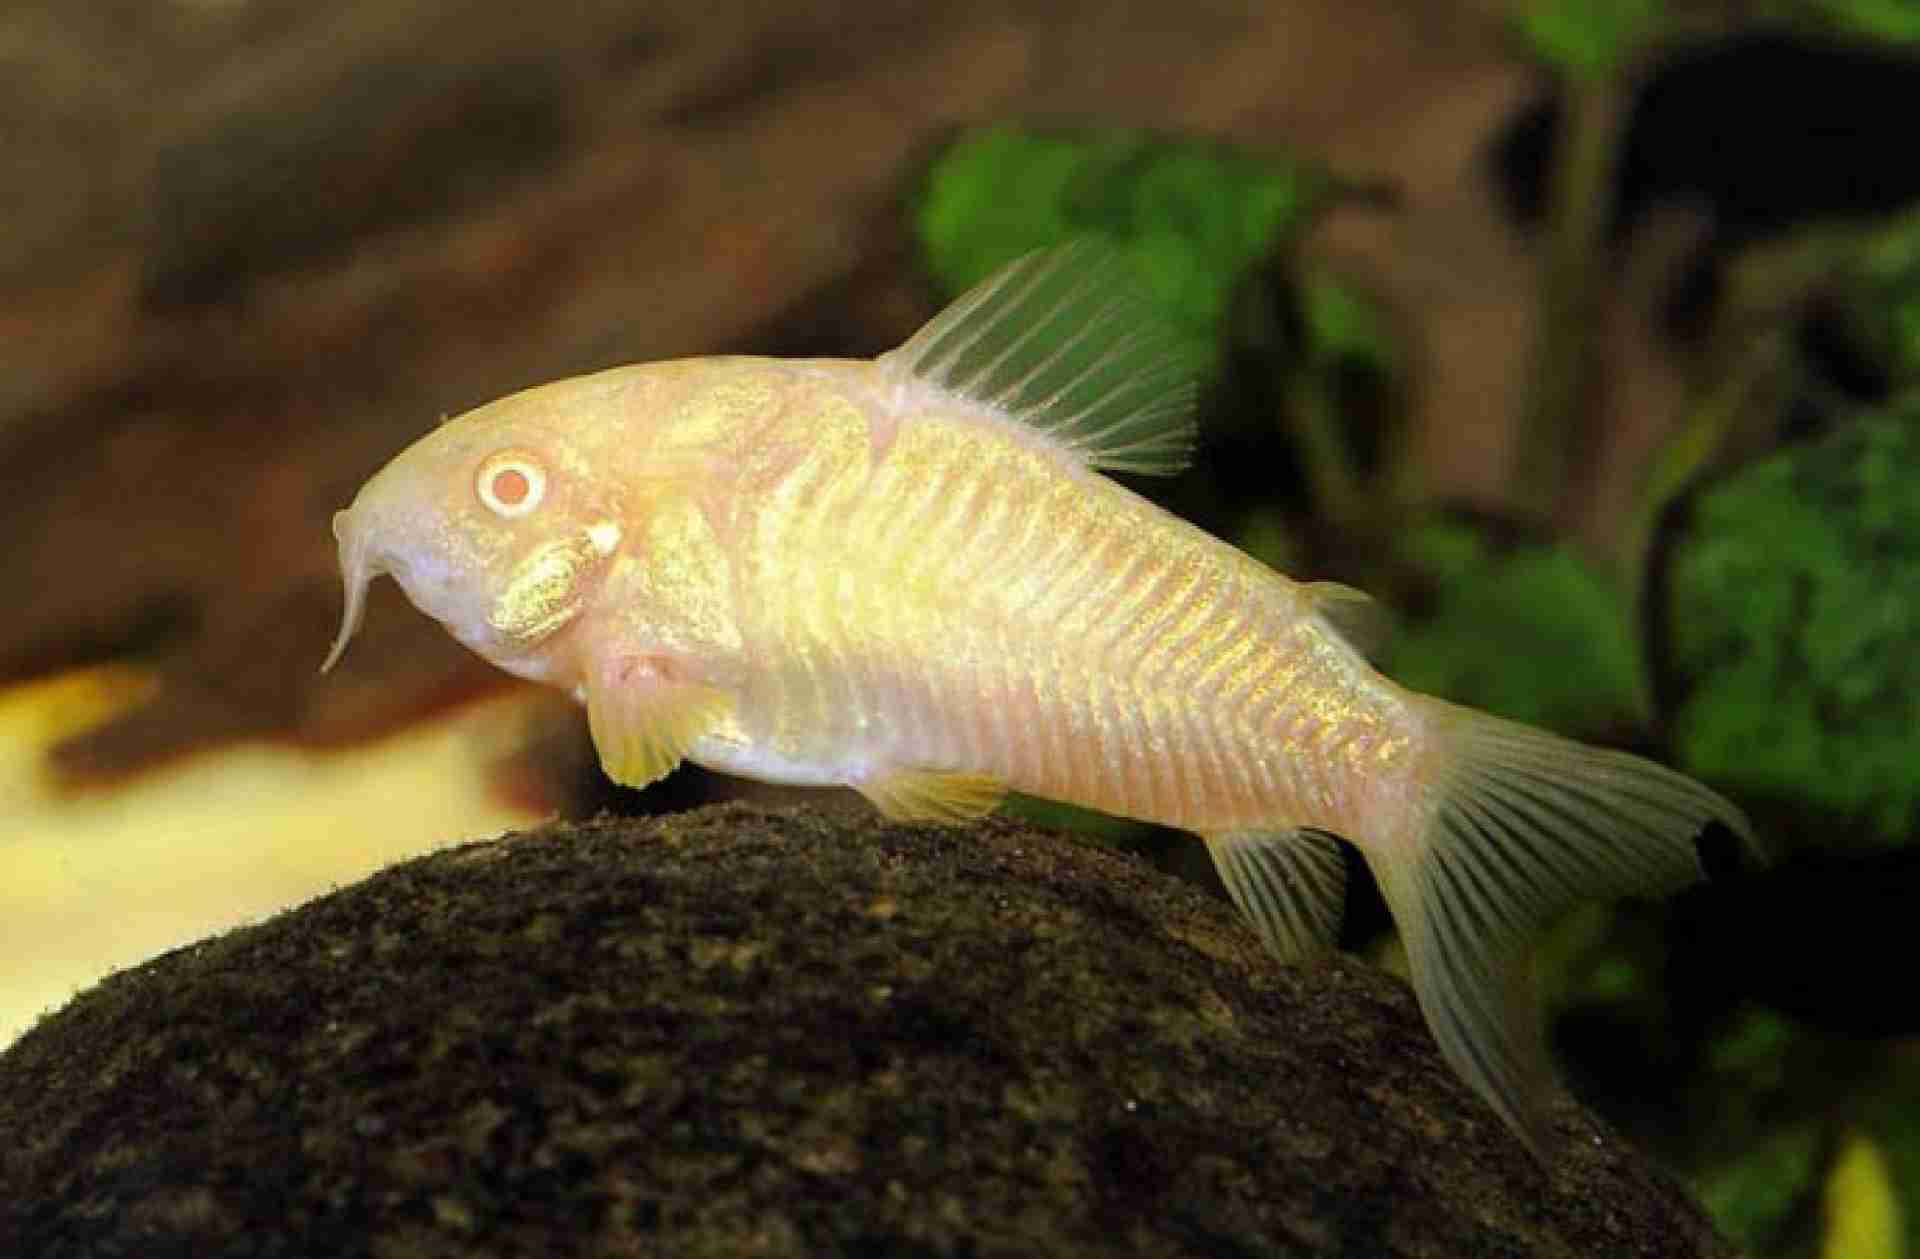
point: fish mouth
(358, 567)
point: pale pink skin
(832, 572)
(881, 577)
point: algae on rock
(782, 1033)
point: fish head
(494, 524)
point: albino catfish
(907, 575)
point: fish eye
(511, 485)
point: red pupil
(511, 487)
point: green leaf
(1193, 215)
(1589, 38)
(1533, 633)
(1862, 1205)
(1344, 326)
(1894, 1107)
(1895, 21)
(1888, 297)
(1754, 1196)
(1795, 632)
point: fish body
(914, 588)
(908, 576)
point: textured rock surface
(738, 1032)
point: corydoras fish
(908, 576)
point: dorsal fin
(1352, 614)
(1061, 341)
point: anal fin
(942, 796)
(1290, 884)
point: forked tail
(1514, 826)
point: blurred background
(1583, 332)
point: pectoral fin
(944, 797)
(644, 723)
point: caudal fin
(1515, 826)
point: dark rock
(738, 1032)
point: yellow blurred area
(1862, 1205)
(96, 879)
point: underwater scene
(1562, 357)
